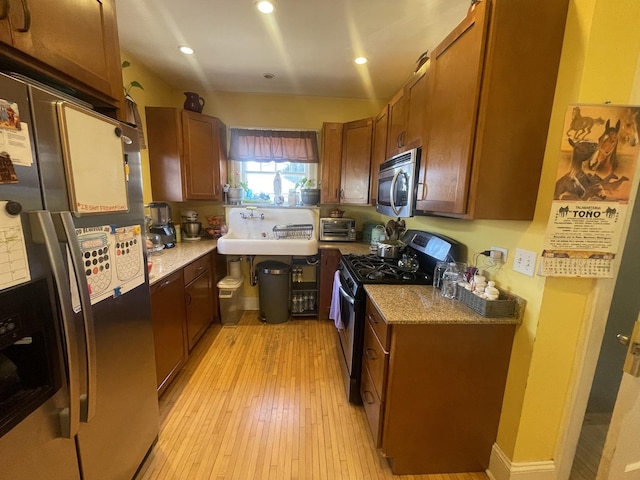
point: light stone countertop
(169, 260)
(421, 304)
(346, 248)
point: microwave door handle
(44, 232)
(88, 399)
(393, 187)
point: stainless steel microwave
(398, 184)
(337, 230)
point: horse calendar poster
(598, 159)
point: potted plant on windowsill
(308, 194)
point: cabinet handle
(164, 284)
(27, 17)
(372, 318)
(368, 397)
(200, 268)
(422, 191)
(371, 354)
(4, 9)
(188, 299)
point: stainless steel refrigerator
(77, 372)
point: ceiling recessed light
(266, 6)
(186, 50)
(361, 60)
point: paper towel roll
(235, 269)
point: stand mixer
(191, 227)
(161, 223)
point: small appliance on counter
(337, 230)
(161, 223)
(191, 227)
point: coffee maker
(162, 224)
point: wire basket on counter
(504, 306)
(300, 231)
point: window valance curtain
(274, 146)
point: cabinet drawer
(375, 319)
(376, 359)
(195, 268)
(372, 406)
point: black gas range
(358, 270)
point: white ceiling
(309, 45)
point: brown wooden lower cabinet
(198, 290)
(329, 258)
(183, 305)
(433, 392)
(168, 315)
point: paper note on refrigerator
(113, 261)
(14, 264)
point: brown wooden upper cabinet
(187, 154)
(331, 162)
(397, 122)
(346, 162)
(407, 114)
(378, 150)
(72, 41)
(489, 102)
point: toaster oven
(337, 230)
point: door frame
(591, 336)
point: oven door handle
(396, 210)
(346, 296)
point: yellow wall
(599, 61)
(155, 92)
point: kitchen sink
(270, 231)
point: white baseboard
(501, 468)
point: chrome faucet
(250, 215)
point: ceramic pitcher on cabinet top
(194, 102)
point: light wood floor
(261, 401)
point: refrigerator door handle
(88, 399)
(44, 232)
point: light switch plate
(524, 261)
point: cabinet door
(356, 161)
(198, 299)
(201, 156)
(456, 68)
(76, 37)
(378, 150)
(329, 258)
(416, 93)
(397, 124)
(168, 316)
(331, 159)
(5, 23)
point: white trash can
(230, 295)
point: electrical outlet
(504, 252)
(525, 262)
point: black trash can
(273, 282)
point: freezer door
(35, 449)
